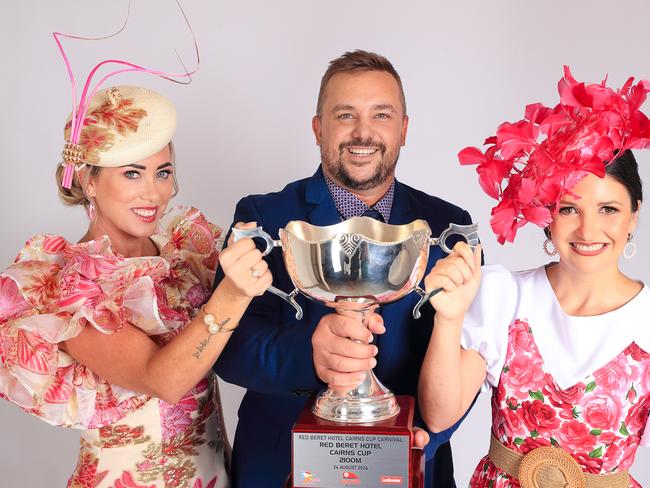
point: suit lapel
(400, 213)
(316, 193)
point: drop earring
(630, 248)
(549, 248)
(91, 210)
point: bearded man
(360, 125)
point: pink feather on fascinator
(531, 164)
(73, 154)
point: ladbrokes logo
(349, 478)
(390, 480)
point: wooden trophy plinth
(377, 455)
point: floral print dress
(56, 288)
(598, 418)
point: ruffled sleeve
(56, 288)
(485, 328)
(52, 291)
(191, 245)
(186, 236)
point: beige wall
(245, 120)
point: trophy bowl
(356, 266)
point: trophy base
(377, 454)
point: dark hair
(356, 62)
(625, 170)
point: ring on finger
(255, 273)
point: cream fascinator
(119, 125)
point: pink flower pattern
(176, 417)
(54, 289)
(598, 421)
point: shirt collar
(349, 205)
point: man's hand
(341, 362)
(342, 349)
(420, 438)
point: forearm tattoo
(204, 343)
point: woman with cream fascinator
(115, 334)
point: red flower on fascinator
(531, 164)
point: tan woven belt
(550, 467)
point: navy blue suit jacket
(270, 353)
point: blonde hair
(172, 157)
(76, 194)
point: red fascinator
(529, 165)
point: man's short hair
(356, 62)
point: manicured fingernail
(373, 362)
(375, 350)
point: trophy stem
(370, 401)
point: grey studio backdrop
(244, 122)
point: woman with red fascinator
(565, 347)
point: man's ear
(317, 126)
(405, 127)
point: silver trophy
(356, 266)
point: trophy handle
(257, 232)
(270, 244)
(469, 232)
(288, 297)
(424, 298)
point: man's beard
(338, 171)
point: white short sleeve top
(572, 347)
